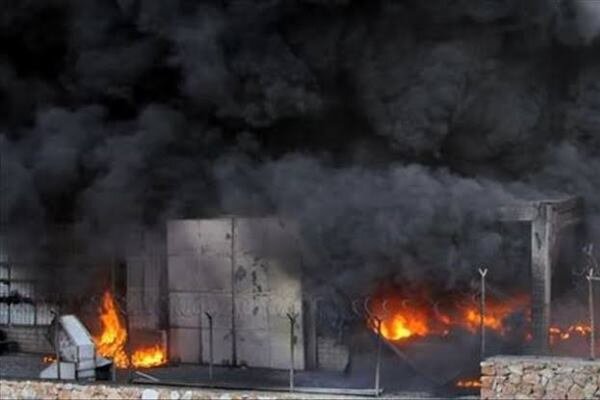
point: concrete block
(193, 271)
(184, 344)
(222, 346)
(205, 236)
(284, 277)
(253, 347)
(249, 235)
(185, 310)
(266, 285)
(281, 353)
(251, 274)
(219, 306)
(252, 312)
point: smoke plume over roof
(132, 112)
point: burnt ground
(28, 366)
(21, 365)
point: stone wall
(21, 389)
(507, 377)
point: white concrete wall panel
(193, 271)
(184, 344)
(145, 261)
(253, 347)
(265, 264)
(185, 309)
(251, 273)
(222, 342)
(252, 311)
(205, 236)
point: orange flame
(149, 357)
(403, 326)
(559, 334)
(403, 319)
(111, 341)
(48, 359)
(468, 383)
(113, 338)
(495, 314)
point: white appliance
(77, 352)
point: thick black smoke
(389, 129)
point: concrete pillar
(548, 218)
(543, 239)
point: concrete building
(246, 275)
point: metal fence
(20, 299)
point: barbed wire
(590, 264)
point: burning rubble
(410, 316)
(579, 329)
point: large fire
(411, 316)
(496, 313)
(404, 325)
(112, 340)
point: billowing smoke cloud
(389, 129)
(363, 225)
(589, 18)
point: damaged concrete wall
(146, 260)
(243, 267)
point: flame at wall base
(112, 340)
(468, 384)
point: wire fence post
(35, 303)
(127, 343)
(9, 305)
(210, 345)
(378, 322)
(292, 317)
(591, 280)
(483, 273)
(56, 342)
